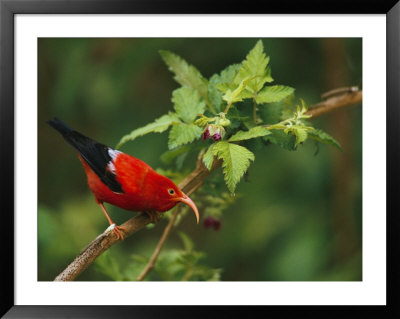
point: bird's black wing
(97, 155)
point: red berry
(208, 222)
(206, 134)
(217, 224)
(216, 136)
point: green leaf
(158, 126)
(215, 98)
(254, 132)
(254, 144)
(223, 87)
(221, 83)
(107, 265)
(208, 157)
(274, 93)
(140, 259)
(170, 155)
(235, 117)
(180, 160)
(182, 134)
(202, 120)
(187, 242)
(185, 74)
(286, 141)
(300, 133)
(187, 103)
(323, 137)
(255, 66)
(239, 93)
(227, 75)
(271, 113)
(236, 160)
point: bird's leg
(154, 216)
(118, 230)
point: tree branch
(190, 184)
(346, 99)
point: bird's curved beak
(186, 199)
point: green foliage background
(298, 217)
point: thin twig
(160, 245)
(337, 91)
(349, 98)
(190, 184)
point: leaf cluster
(232, 109)
(185, 264)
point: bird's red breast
(133, 175)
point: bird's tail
(60, 126)
(76, 139)
(97, 155)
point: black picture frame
(8, 10)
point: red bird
(123, 180)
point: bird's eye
(171, 191)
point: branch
(190, 184)
(346, 99)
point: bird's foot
(154, 216)
(118, 231)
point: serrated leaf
(215, 98)
(255, 66)
(235, 117)
(223, 87)
(170, 155)
(187, 242)
(289, 107)
(274, 93)
(185, 74)
(208, 157)
(158, 126)
(271, 113)
(107, 265)
(254, 144)
(324, 137)
(301, 134)
(286, 141)
(187, 103)
(221, 83)
(227, 75)
(224, 80)
(268, 77)
(252, 133)
(183, 133)
(236, 160)
(202, 121)
(239, 93)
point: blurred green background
(297, 218)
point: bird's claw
(118, 231)
(154, 216)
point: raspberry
(211, 222)
(217, 224)
(208, 222)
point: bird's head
(168, 195)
